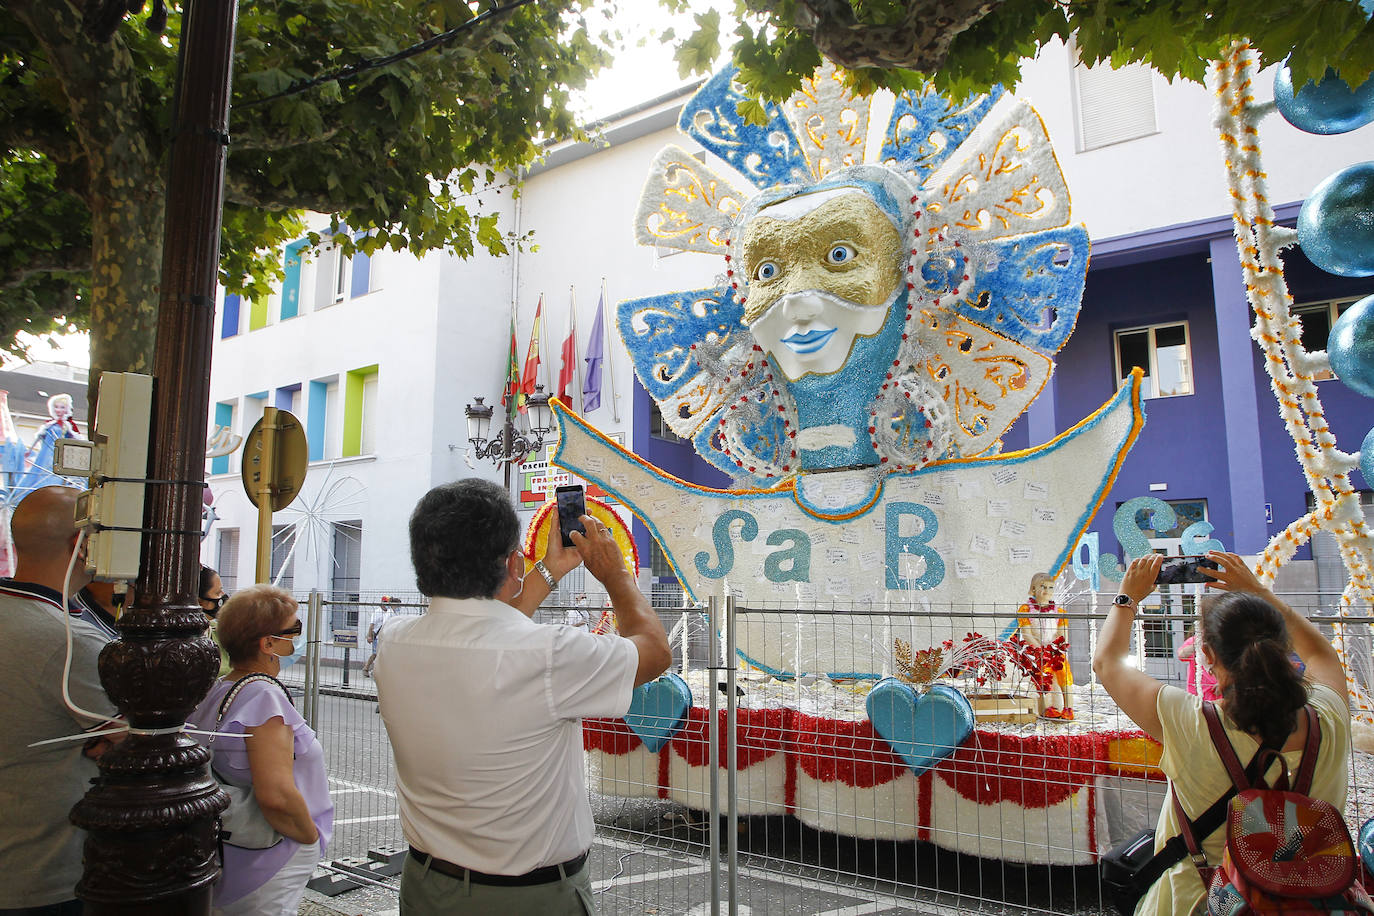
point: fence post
(713, 751)
(313, 615)
(731, 749)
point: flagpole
(543, 327)
(572, 329)
(607, 363)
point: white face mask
(297, 649)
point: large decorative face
(822, 271)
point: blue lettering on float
(1088, 570)
(799, 554)
(1196, 539)
(912, 545)
(725, 550)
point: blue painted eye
(840, 254)
(767, 270)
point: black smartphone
(1184, 570)
(572, 505)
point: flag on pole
(510, 396)
(567, 372)
(531, 375)
(596, 354)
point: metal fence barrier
(803, 810)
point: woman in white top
(1247, 637)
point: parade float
(897, 277)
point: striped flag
(568, 370)
(510, 396)
(531, 375)
(596, 355)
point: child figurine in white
(1040, 624)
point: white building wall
(390, 327)
(1178, 174)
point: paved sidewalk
(361, 902)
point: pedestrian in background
(385, 611)
(40, 849)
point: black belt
(546, 875)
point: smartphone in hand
(1184, 570)
(572, 505)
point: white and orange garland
(1292, 369)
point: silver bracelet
(543, 570)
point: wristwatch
(543, 570)
(1123, 601)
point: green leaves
(1177, 37)
(389, 149)
(698, 54)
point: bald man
(40, 851)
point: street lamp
(508, 446)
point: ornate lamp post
(151, 845)
(508, 446)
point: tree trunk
(126, 264)
(126, 191)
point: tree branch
(242, 190)
(60, 261)
(43, 134)
(919, 42)
(253, 138)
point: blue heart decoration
(1366, 845)
(658, 710)
(922, 729)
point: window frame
(1334, 308)
(1077, 69)
(658, 426)
(1151, 388)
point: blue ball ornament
(1336, 224)
(1367, 459)
(1326, 107)
(1351, 348)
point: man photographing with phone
(483, 707)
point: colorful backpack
(1286, 852)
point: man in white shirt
(385, 611)
(484, 708)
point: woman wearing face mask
(277, 752)
(212, 597)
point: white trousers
(281, 895)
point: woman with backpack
(1246, 637)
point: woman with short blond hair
(278, 755)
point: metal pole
(151, 816)
(312, 657)
(266, 461)
(731, 749)
(713, 753)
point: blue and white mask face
(823, 270)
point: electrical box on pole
(116, 460)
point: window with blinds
(1112, 105)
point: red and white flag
(567, 373)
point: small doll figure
(38, 460)
(1188, 653)
(1042, 628)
